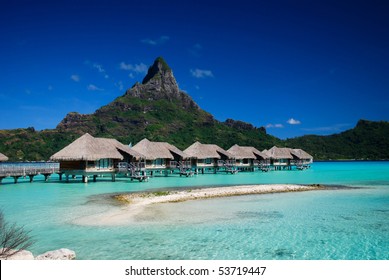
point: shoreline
(174, 196)
(130, 206)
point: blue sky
(295, 67)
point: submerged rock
(60, 254)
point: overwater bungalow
(248, 158)
(90, 156)
(163, 157)
(280, 158)
(3, 157)
(286, 158)
(302, 159)
(207, 157)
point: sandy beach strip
(165, 196)
(134, 205)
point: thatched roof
(124, 148)
(3, 157)
(90, 148)
(203, 151)
(153, 150)
(279, 153)
(300, 154)
(245, 152)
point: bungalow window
(159, 161)
(245, 161)
(208, 161)
(104, 163)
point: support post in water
(47, 176)
(16, 179)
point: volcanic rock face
(159, 83)
(239, 124)
(72, 119)
(160, 77)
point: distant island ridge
(158, 110)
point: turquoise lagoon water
(350, 223)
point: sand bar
(146, 198)
(134, 204)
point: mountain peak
(160, 84)
(159, 69)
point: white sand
(135, 203)
(184, 195)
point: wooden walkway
(17, 170)
(134, 171)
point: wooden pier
(17, 170)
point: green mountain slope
(368, 140)
(28, 144)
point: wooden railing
(226, 162)
(180, 164)
(27, 168)
(135, 166)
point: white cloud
(131, 75)
(292, 121)
(201, 73)
(277, 125)
(331, 128)
(119, 85)
(50, 87)
(101, 69)
(196, 50)
(75, 78)
(149, 41)
(154, 42)
(125, 66)
(137, 68)
(92, 87)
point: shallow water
(349, 223)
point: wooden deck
(17, 170)
(135, 171)
(138, 170)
